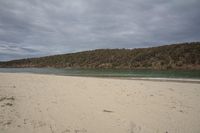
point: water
(195, 74)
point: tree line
(175, 56)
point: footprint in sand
(134, 128)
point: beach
(36, 103)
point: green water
(195, 74)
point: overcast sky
(32, 28)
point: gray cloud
(31, 28)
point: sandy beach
(34, 103)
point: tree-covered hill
(175, 56)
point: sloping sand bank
(31, 103)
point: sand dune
(33, 103)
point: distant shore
(71, 104)
(182, 56)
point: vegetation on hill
(175, 56)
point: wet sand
(34, 103)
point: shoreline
(156, 79)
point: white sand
(31, 103)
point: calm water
(108, 73)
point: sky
(34, 28)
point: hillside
(175, 56)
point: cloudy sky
(32, 28)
